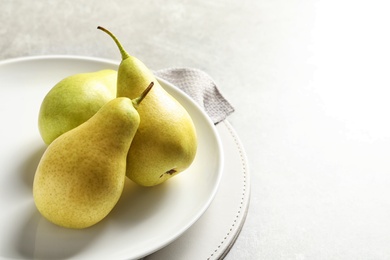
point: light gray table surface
(309, 82)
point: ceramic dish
(144, 220)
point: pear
(81, 175)
(73, 100)
(165, 143)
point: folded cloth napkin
(200, 87)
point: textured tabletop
(309, 82)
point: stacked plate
(196, 215)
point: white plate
(144, 220)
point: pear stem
(139, 99)
(124, 53)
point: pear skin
(165, 143)
(73, 100)
(81, 175)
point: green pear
(73, 101)
(81, 175)
(165, 143)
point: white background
(310, 84)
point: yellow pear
(165, 143)
(81, 175)
(73, 100)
